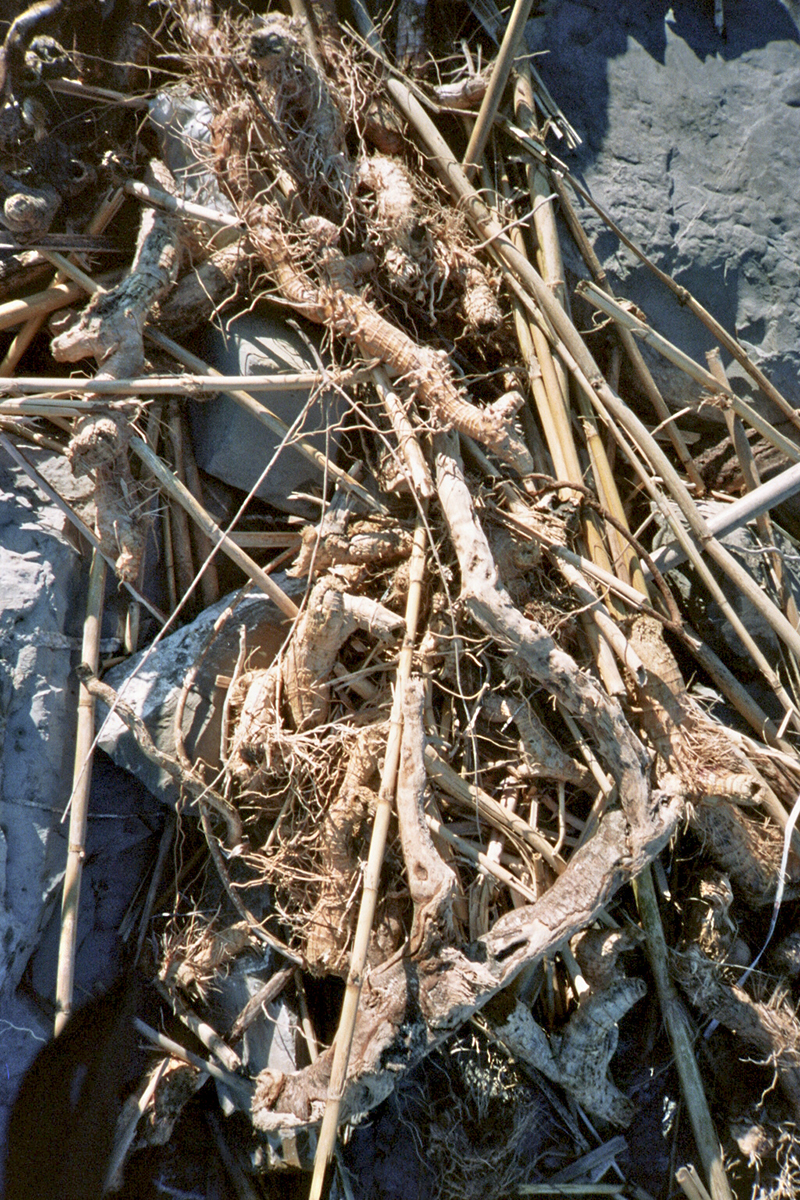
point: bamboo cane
(81, 786)
(680, 1037)
(369, 895)
(497, 82)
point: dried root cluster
(475, 729)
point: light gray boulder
(40, 586)
(692, 144)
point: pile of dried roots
(476, 732)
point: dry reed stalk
(548, 385)
(210, 528)
(552, 402)
(497, 82)
(185, 208)
(552, 271)
(628, 320)
(680, 1036)
(419, 475)
(179, 385)
(550, 390)
(572, 346)
(610, 630)
(179, 520)
(709, 581)
(201, 1029)
(472, 797)
(690, 1183)
(109, 207)
(79, 800)
(628, 341)
(369, 895)
(539, 190)
(21, 430)
(240, 1088)
(487, 864)
(209, 580)
(750, 506)
(45, 406)
(49, 300)
(607, 401)
(752, 482)
(169, 558)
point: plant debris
(476, 732)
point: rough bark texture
(410, 1003)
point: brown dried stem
(81, 784)
(369, 897)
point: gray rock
(231, 444)
(150, 682)
(692, 144)
(40, 582)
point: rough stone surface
(692, 144)
(42, 598)
(40, 578)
